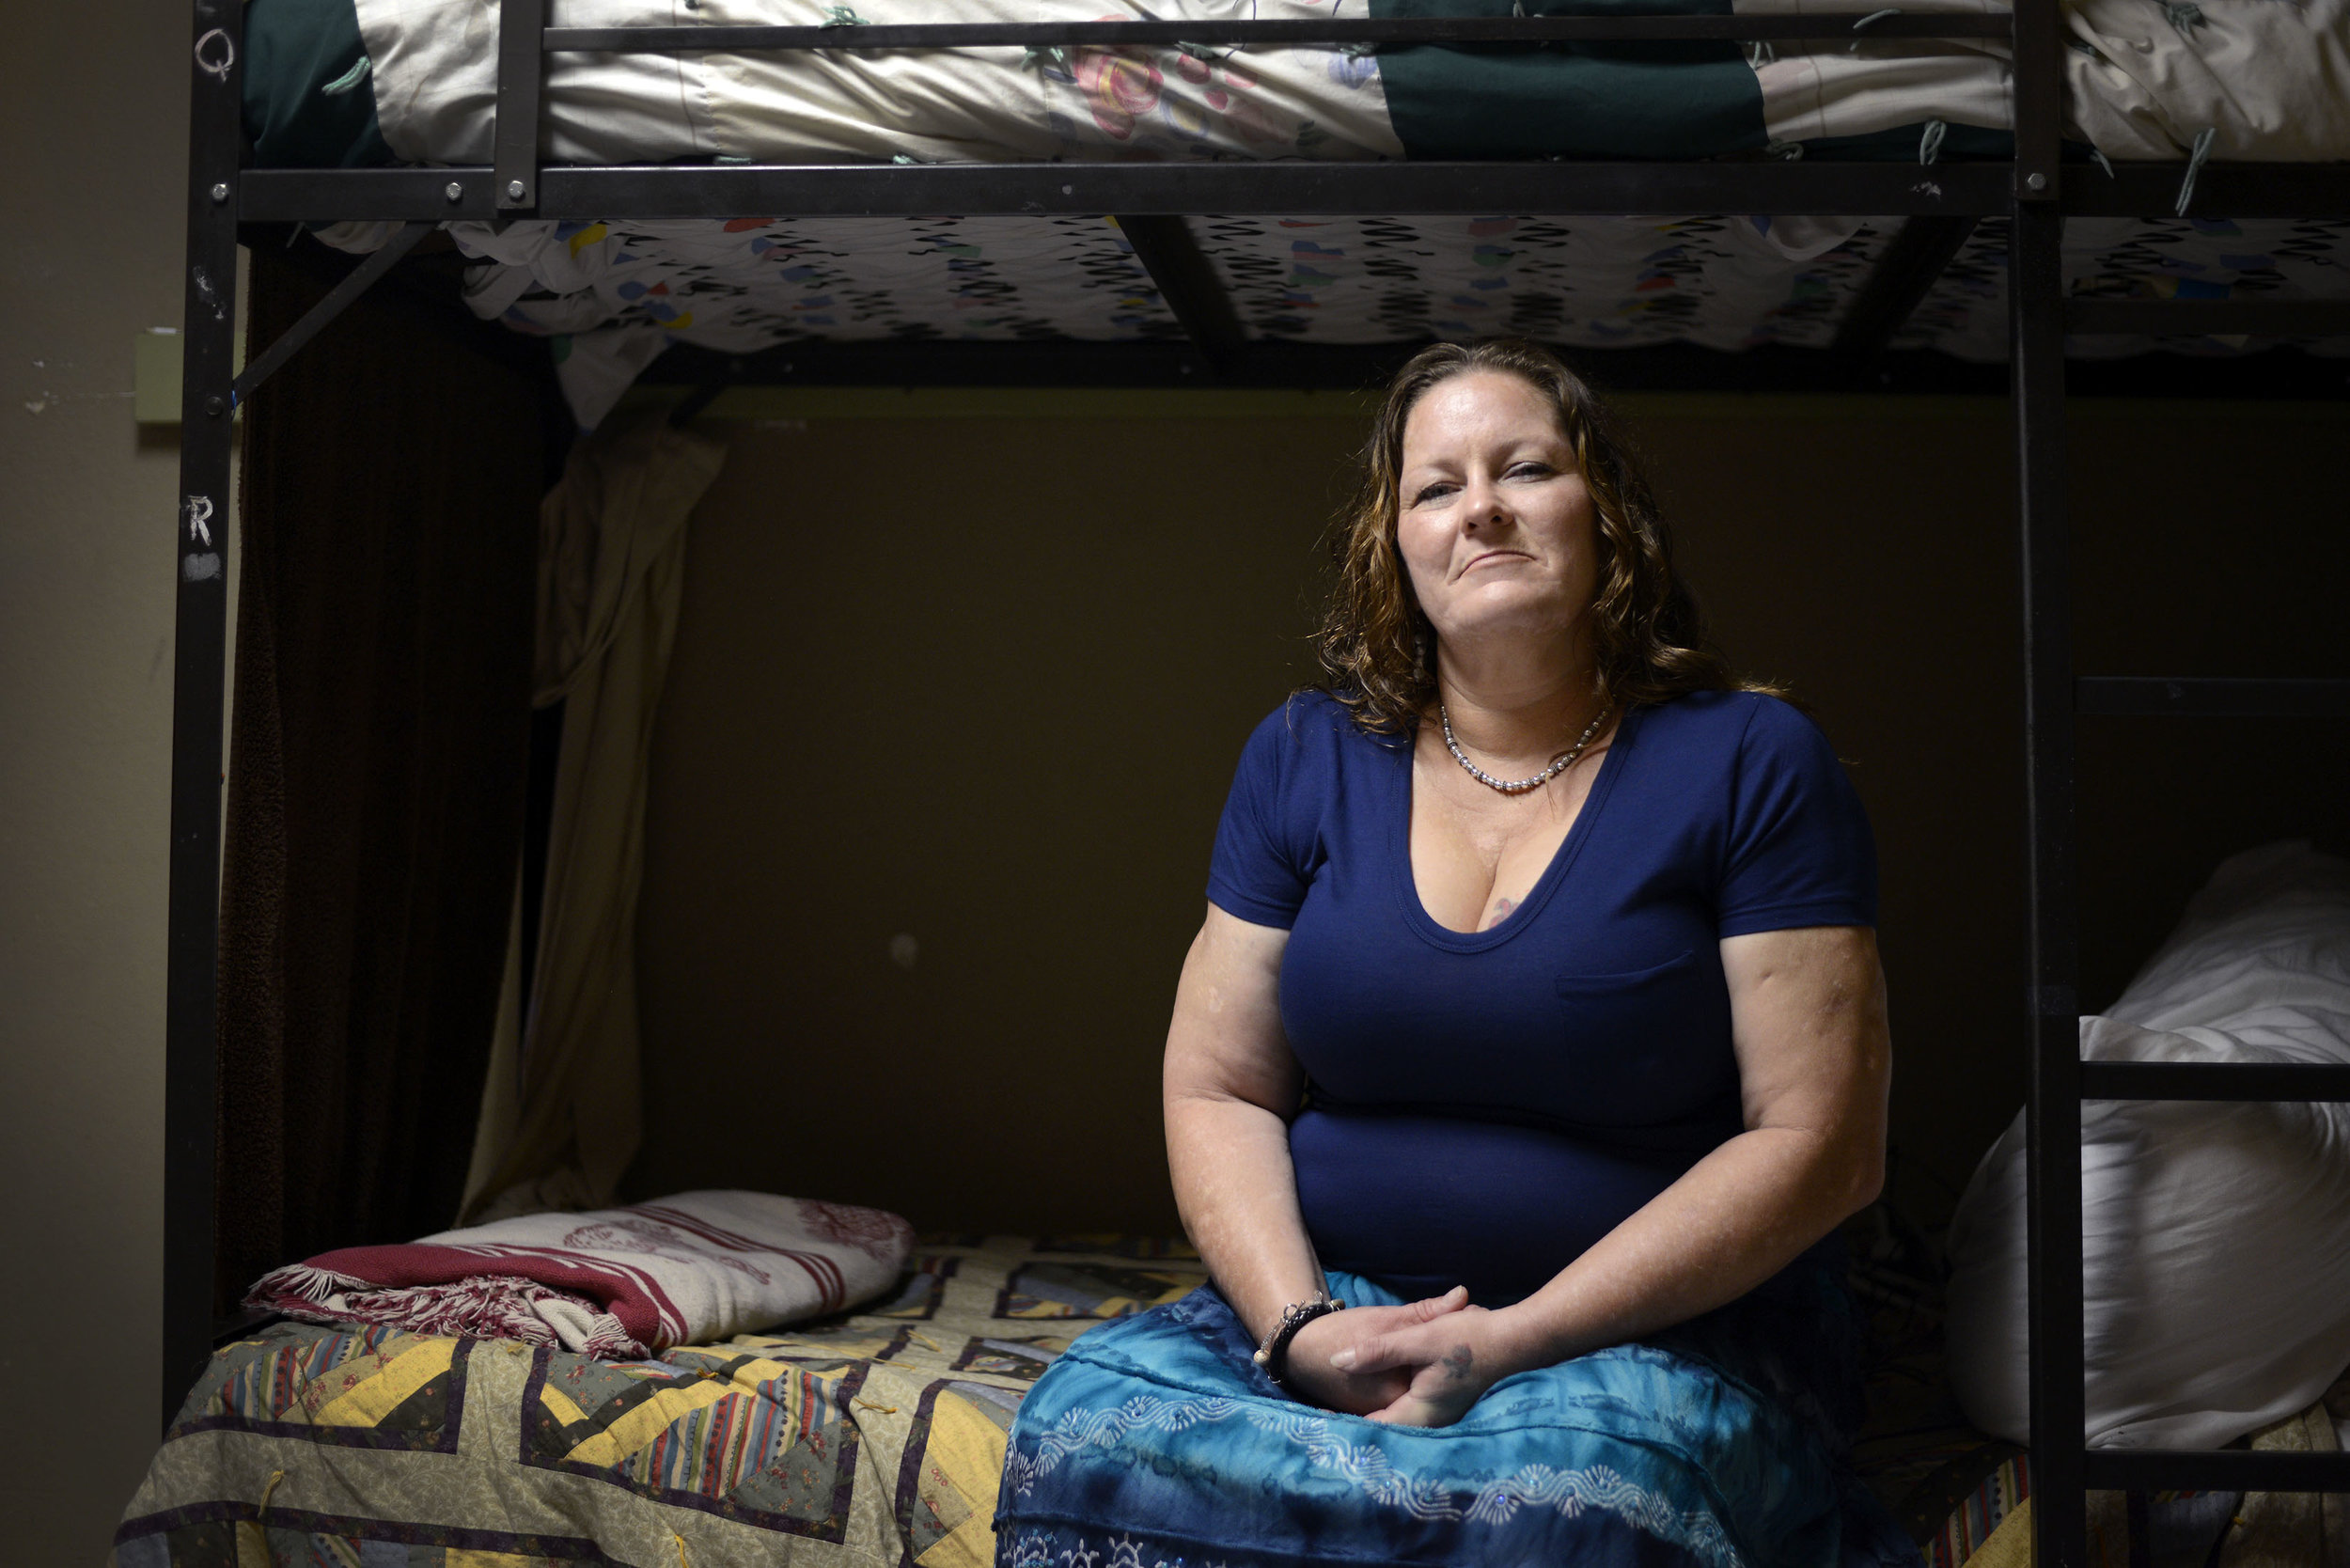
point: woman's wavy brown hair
(1378, 647)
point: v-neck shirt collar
(1435, 931)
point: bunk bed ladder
(2065, 1467)
(2140, 1471)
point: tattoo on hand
(1457, 1363)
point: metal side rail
(2287, 1082)
(2191, 697)
(1287, 188)
(2249, 317)
(2216, 1470)
(2220, 190)
(1284, 189)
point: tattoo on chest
(1502, 908)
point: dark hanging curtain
(377, 759)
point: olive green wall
(93, 115)
(981, 683)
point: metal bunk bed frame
(1940, 204)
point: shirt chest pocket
(1647, 1045)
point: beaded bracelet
(1273, 1354)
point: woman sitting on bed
(1531, 1052)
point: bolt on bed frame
(1940, 204)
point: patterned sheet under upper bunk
(614, 295)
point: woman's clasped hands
(1420, 1364)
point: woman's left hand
(1451, 1360)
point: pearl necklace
(1521, 786)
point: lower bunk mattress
(870, 1439)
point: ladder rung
(2250, 317)
(2214, 1470)
(2154, 694)
(2215, 1080)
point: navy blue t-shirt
(1483, 1107)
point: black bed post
(2053, 1118)
(200, 528)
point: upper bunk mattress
(342, 83)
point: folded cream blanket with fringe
(613, 1283)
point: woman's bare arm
(1807, 1019)
(1230, 1087)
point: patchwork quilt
(871, 1439)
(875, 1439)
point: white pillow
(2216, 1237)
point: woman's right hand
(1310, 1376)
